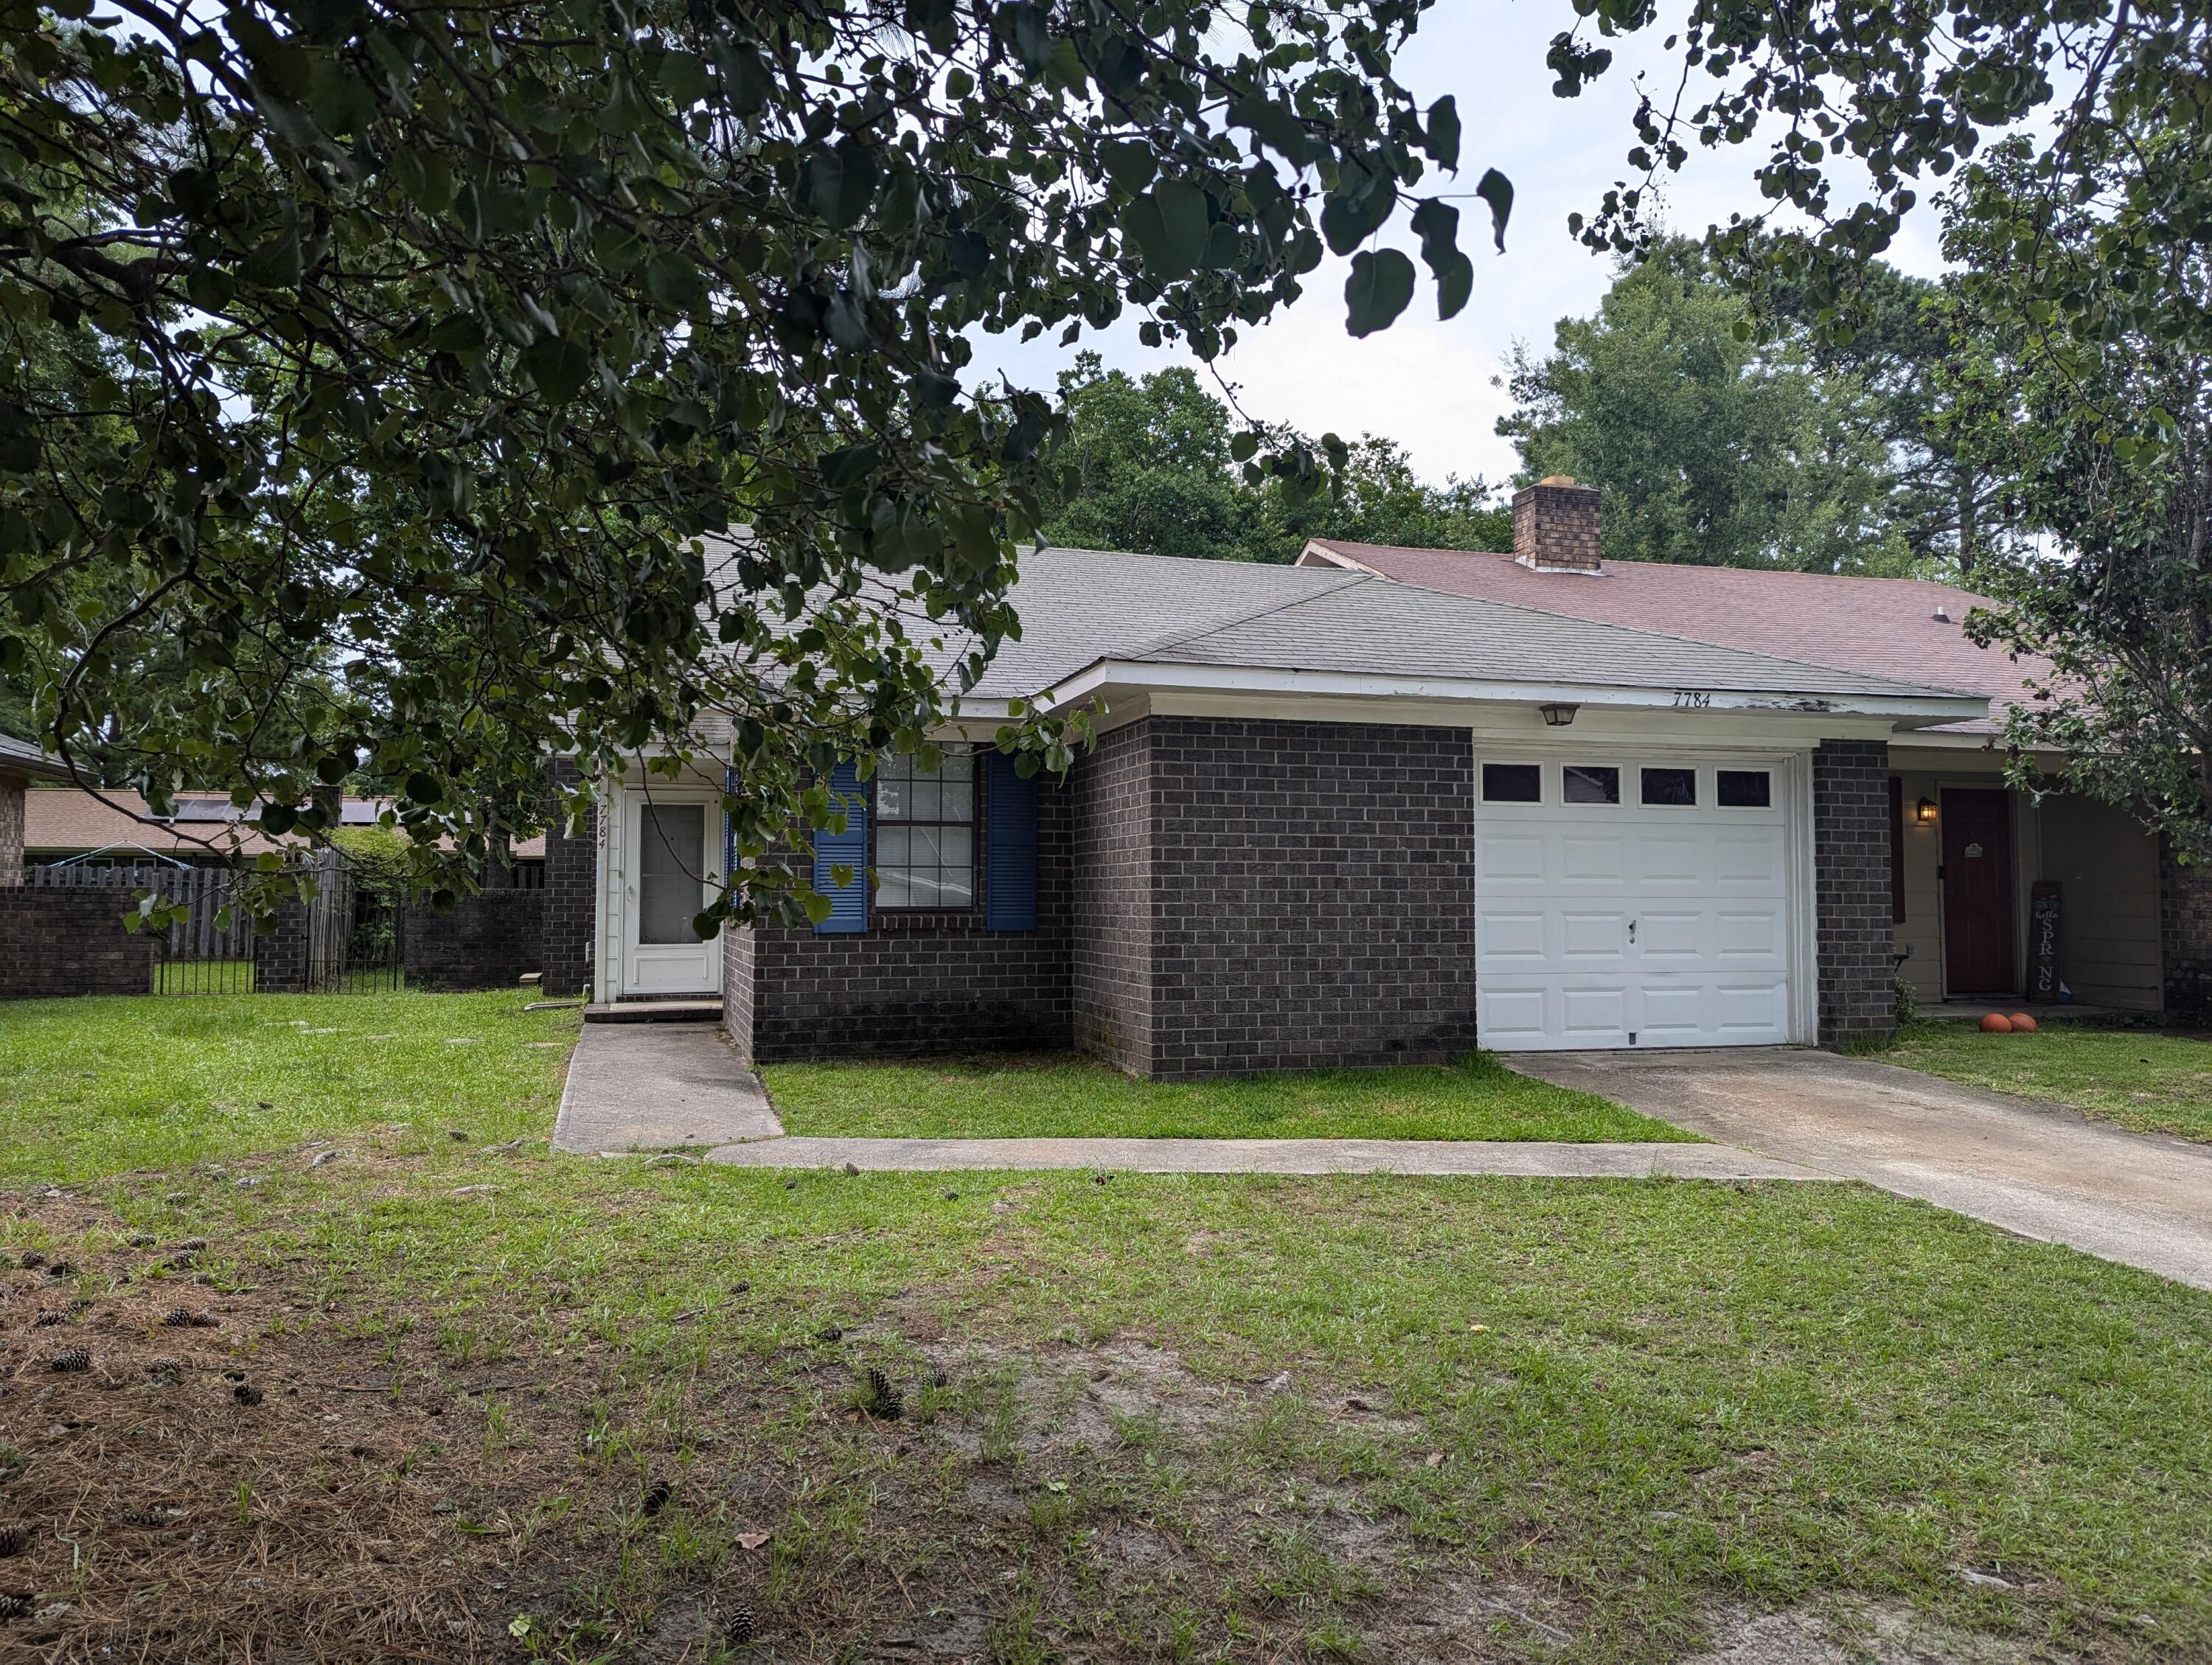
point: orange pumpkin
(2023, 1023)
(1996, 1023)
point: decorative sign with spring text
(2043, 940)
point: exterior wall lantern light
(1924, 809)
(1559, 716)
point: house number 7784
(1692, 699)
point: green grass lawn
(1147, 1420)
(95, 1086)
(1065, 1095)
(2154, 1082)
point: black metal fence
(357, 930)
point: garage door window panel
(1590, 783)
(1744, 789)
(1512, 783)
(1669, 789)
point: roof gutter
(1912, 709)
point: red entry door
(1978, 922)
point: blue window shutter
(848, 903)
(1009, 847)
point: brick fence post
(572, 866)
(280, 952)
(1850, 882)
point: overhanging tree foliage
(418, 349)
(2086, 247)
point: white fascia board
(1906, 710)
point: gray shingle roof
(1079, 607)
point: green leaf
(685, 76)
(674, 282)
(1169, 226)
(1495, 189)
(1437, 226)
(1362, 203)
(1443, 139)
(1128, 163)
(1380, 286)
(560, 370)
(1026, 29)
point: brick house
(20, 763)
(1387, 805)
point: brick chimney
(1555, 525)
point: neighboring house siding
(1313, 895)
(2106, 865)
(936, 981)
(1113, 922)
(483, 941)
(12, 787)
(2185, 932)
(1852, 894)
(70, 942)
(571, 896)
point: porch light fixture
(1559, 716)
(1924, 809)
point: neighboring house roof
(68, 821)
(1881, 627)
(21, 757)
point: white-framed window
(1512, 783)
(1589, 783)
(925, 829)
(1744, 788)
(1668, 787)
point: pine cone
(883, 1400)
(14, 1604)
(176, 1318)
(190, 1245)
(165, 1371)
(142, 1240)
(739, 1627)
(656, 1497)
(31, 1260)
(12, 1540)
(60, 1269)
(829, 1332)
(77, 1359)
(46, 1320)
(247, 1394)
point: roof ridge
(1177, 638)
(1669, 566)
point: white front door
(1626, 901)
(669, 846)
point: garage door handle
(1631, 930)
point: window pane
(1743, 789)
(672, 854)
(1670, 788)
(1512, 783)
(1586, 784)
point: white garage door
(1625, 902)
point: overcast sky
(1425, 384)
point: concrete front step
(654, 1012)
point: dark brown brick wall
(2184, 921)
(913, 982)
(70, 941)
(1111, 971)
(571, 895)
(1851, 899)
(485, 941)
(1313, 895)
(280, 951)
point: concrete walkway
(657, 1087)
(1534, 1158)
(2036, 1170)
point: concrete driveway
(2034, 1168)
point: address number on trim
(1692, 699)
